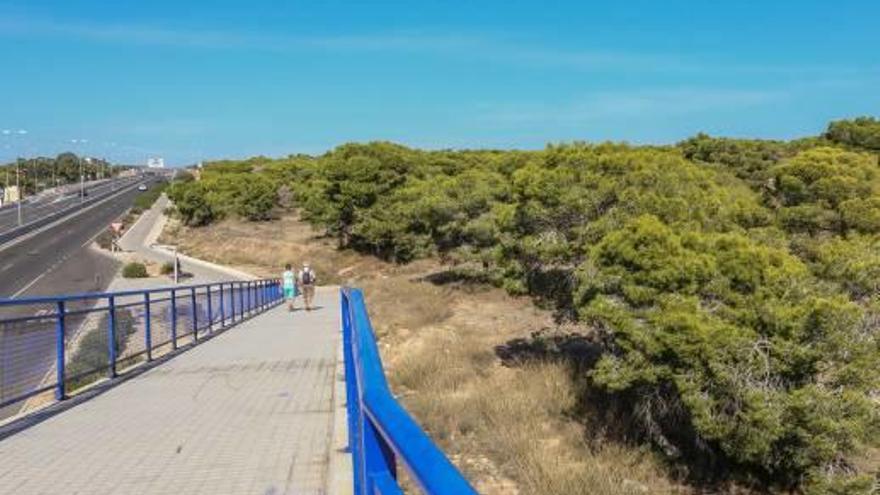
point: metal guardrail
(64, 343)
(381, 432)
(50, 217)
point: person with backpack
(288, 285)
(307, 280)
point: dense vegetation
(135, 270)
(732, 284)
(144, 201)
(40, 173)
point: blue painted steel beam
(382, 432)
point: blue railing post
(222, 308)
(195, 314)
(111, 335)
(232, 302)
(257, 296)
(148, 330)
(210, 309)
(247, 298)
(59, 353)
(173, 319)
(241, 307)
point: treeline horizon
(732, 285)
(41, 172)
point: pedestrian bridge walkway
(279, 403)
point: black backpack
(308, 277)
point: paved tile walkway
(251, 411)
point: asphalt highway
(60, 255)
(36, 207)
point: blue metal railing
(86, 337)
(381, 432)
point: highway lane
(36, 207)
(24, 262)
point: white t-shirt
(311, 274)
(289, 280)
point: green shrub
(191, 203)
(134, 270)
(144, 201)
(183, 176)
(167, 268)
(862, 132)
(105, 239)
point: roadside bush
(183, 176)
(134, 270)
(167, 268)
(191, 203)
(144, 201)
(105, 239)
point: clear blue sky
(192, 80)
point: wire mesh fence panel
(237, 301)
(218, 306)
(203, 306)
(183, 316)
(87, 342)
(130, 320)
(160, 323)
(143, 325)
(27, 354)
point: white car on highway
(142, 187)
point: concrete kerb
(341, 471)
(206, 264)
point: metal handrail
(381, 432)
(221, 304)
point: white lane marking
(30, 284)
(77, 213)
(52, 268)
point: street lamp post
(18, 187)
(82, 179)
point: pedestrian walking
(288, 284)
(307, 280)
